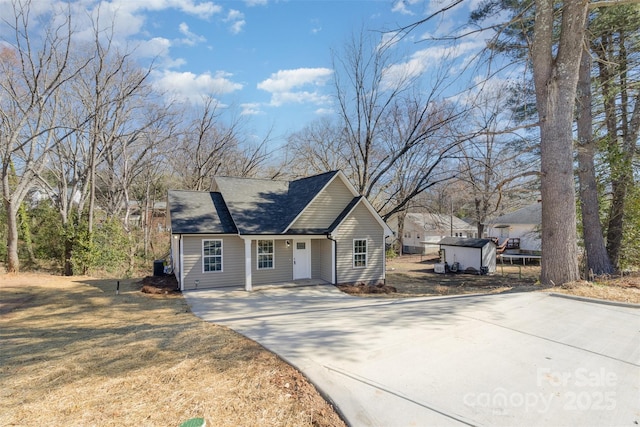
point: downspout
(335, 257)
(181, 262)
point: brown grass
(413, 275)
(75, 353)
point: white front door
(301, 259)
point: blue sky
(268, 60)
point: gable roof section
(260, 206)
(531, 214)
(197, 212)
(345, 212)
(325, 195)
(257, 206)
(435, 222)
(351, 206)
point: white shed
(461, 254)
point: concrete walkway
(496, 360)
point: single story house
(522, 226)
(423, 231)
(461, 254)
(250, 232)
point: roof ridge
(194, 191)
(333, 172)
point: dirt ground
(76, 353)
(413, 275)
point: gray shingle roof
(199, 212)
(434, 222)
(245, 205)
(260, 206)
(531, 214)
(465, 242)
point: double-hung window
(211, 255)
(359, 253)
(265, 254)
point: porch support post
(181, 262)
(333, 262)
(247, 265)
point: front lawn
(75, 353)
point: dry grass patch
(621, 289)
(413, 275)
(75, 353)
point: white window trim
(273, 255)
(221, 255)
(366, 253)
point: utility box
(158, 267)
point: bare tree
(107, 106)
(33, 71)
(390, 135)
(500, 163)
(211, 146)
(320, 145)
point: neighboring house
(252, 231)
(460, 254)
(153, 215)
(423, 231)
(521, 226)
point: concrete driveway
(511, 359)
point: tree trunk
(598, 262)
(68, 252)
(13, 262)
(555, 73)
(401, 217)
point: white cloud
(286, 86)
(187, 86)
(316, 26)
(401, 7)
(389, 39)
(252, 3)
(236, 18)
(237, 26)
(424, 59)
(191, 38)
(234, 15)
(155, 47)
(201, 9)
(280, 98)
(285, 80)
(250, 109)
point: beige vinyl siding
(326, 207)
(360, 224)
(282, 261)
(175, 255)
(321, 260)
(232, 274)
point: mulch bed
(166, 284)
(362, 288)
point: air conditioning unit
(439, 268)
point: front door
(301, 259)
